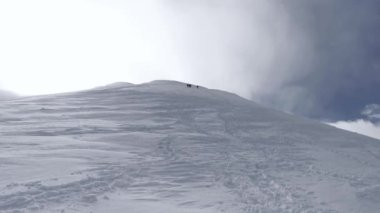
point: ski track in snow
(162, 147)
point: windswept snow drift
(162, 147)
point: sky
(315, 58)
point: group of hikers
(189, 86)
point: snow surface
(161, 147)
(5, 95)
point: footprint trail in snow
(163, 147)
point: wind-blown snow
(162, 147)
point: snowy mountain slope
(162, 147)
(5, 95)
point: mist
(315, 58)
(248, 47)
(6, 95)
(319, 59)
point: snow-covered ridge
(164, 147)
(170, 87)
(5, 95)
(114, 85)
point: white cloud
(372, 111)
(360, 126)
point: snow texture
(161, 147)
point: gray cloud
(316, 58)
(251, 47)
(372, 112)
(345, 71)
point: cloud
(360, 126)
(344, 70)
(372, 112)
(369, 125)
(317, 58)
(248, 47)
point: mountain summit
(166, 147)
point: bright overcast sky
(53, 46)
